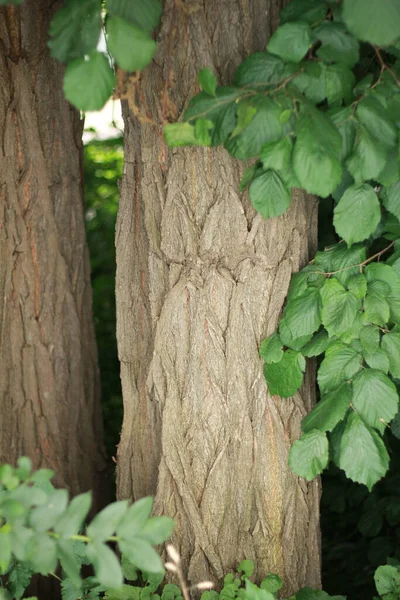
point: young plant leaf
(207, 81)
(268, 194)
(309, 455)
(271, 349)
(285, 377)
(105, 523)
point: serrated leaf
(73, 518)
(180, 134)
(135, 518)
(315, 155)
(89, 82)
(370, 114)
(391, 199)
(285, 377)
(141, 554)
(375, 398)
(264, 126)
(386, 273)
(371, 21)
(306, 10)
(271, 349)
(302, 315)
(106, 522)
(337, 44)
(75, 29)
(368, 157)
(5, 550)
(391, 344)
(271, 583)
(363, 455)
(340, 82)
(268, 194)
(131, 47)
(339, 311)
(42, 553)
(341, 117)
(276, 154)
(291, 41)
(357, 214)
(329, 411)
(309, 455)
(376, 307)
(106, 565)
(317, 345)
(18, 579)
(357, 285)
(369, 338)
(144, 13)
(207, 81)
(377, 360)
(44, 517)
(387, 580)
(288, 339)
(258, 70)
(340, 365)
(311, 80)
(202, 132)
(245, 114)
(69, 562)
(221, 110)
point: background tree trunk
(201, 280)
(49, 385)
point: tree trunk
(49, 385)
(201, 280)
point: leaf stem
(362, 264)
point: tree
(49, 386)
(201, 280)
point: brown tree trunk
(49, 388)
(201, 280)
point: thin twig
(362, 264)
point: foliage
(40, 529)
(319, 110)
(103, 162)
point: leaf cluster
(40, 529)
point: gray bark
(49, 386)
(201, 280)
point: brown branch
(362, 264)
(384, 66)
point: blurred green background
(360, 530)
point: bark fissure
(201, 280)
(49, 390)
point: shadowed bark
(201, 280)
(49, 389)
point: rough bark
(201, 280)
(49, 388)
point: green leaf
(271, 583)
(106, 522)
(72, 519)
(24, 468)
(129, 570)
(131, 47)
(18, 579)
(309, 455)
(245, 114)
(391, 345)
(207, 81)
(143, 13)
(276, 154)
(202, 132)
(141, 554)
(318, 344)
(258, 70)
(5, 550)
(376, 307)
(264, 126)
(346, 126)
(375, 398)
(357, 214)
(268, 195)
(306, 10)
(340, 82)
(246, 567)
(291, 41)
(45, 516)
(387, 580)
(371, 21)
(157, 530)
(339, 259)
(363, 455)
(180, 134)
(339, 310)
(106, 565)
(329, 411)
(302, 315)
(271, 349)
(391, 199)
(89, 82)
(42, 553)
(135, 518)
(285, 377)
(337, 44)
(357, 285)
(315, 155)
(339, 365)
(75, 29)
(248, 176)
(221, 110)
(311, 81)
(368, 157)
(369, 339)
(370, 114)
(377, 360)
(69, 562)
(385, 273)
